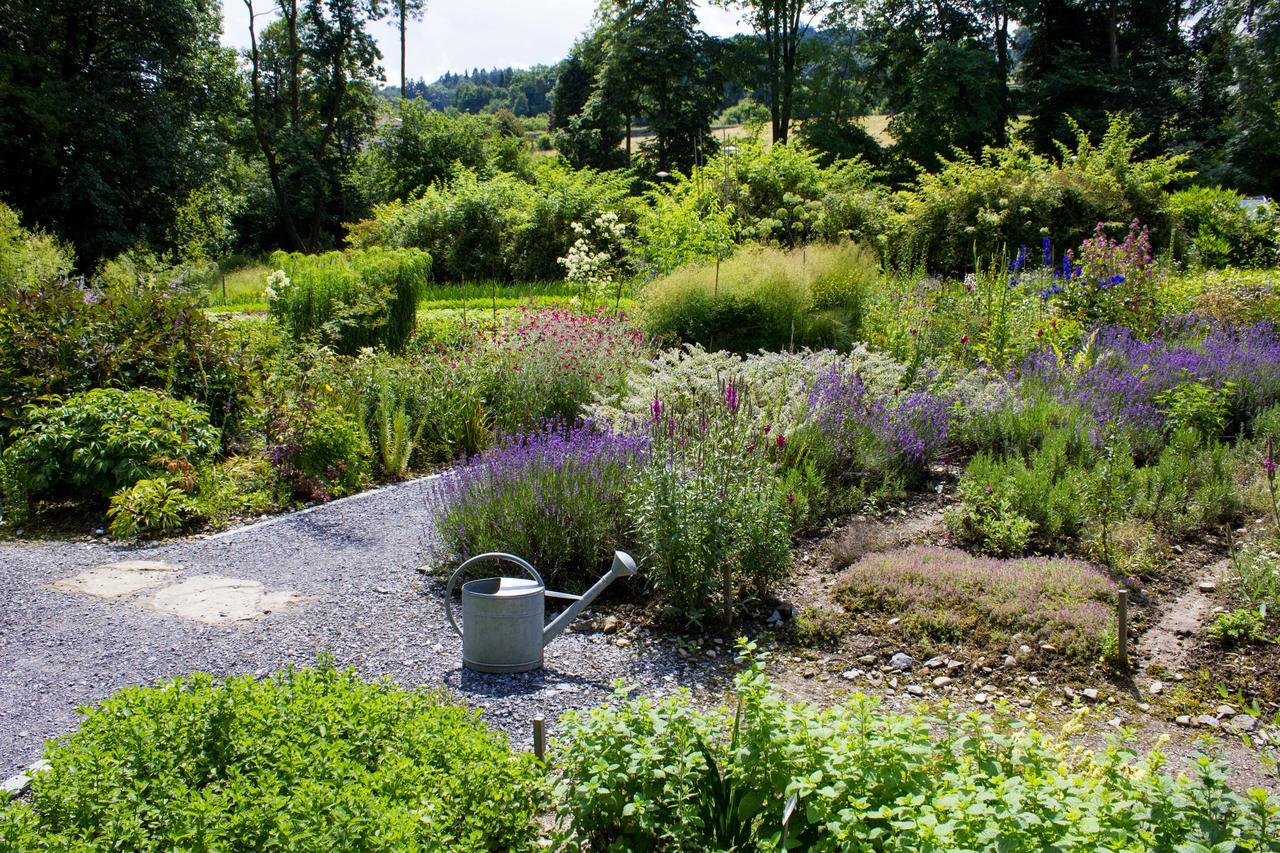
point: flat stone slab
(218, 600)
(116, 580)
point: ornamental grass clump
(555, 496)
(306, 759)
(350, 300)
(950, 596)
(768, 774)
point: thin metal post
(540, 736)
(1122, 629)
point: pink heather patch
(952, 596)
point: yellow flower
(328, 387)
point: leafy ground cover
(312, 758)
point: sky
(458, 35)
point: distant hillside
(524, 91)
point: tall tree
(405, 11)
(643, 58)
(781, 24)
(111, 119)
(311, 75)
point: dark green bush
(502, 228)
(639, 775)
(350, 300)
(93, 444)
(64, 336)
(314, 759)
(322, 453)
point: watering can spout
(623, 566)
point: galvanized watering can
(504, 617)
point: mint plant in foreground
(642, 775)
(310, 759)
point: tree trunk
(1113, 34)
(403, 77)
(268, 151)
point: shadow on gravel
(542, 682)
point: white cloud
(458, 35)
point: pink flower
(781, 441)
(655, 408)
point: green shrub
(501, 228)
(1212, 229)
(350, 300)
(148, 507)
(313, 759)
(238, 487)
(708, 510)
(1011, 197)
(29, 258)
(1235, 295)
(322, 453)
(96, 443)
(129, 328)
(764, 299)
(640, 775)
(1008, 500)
(1189, 487)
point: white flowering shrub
(593, 264)
(775, 383)
(277, 286)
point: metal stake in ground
(1122, 629)
(540, 736)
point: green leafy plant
(148, 507)
(1239, 627)
(709, 516)
(314, 759)
(96, 443)
(641, 775)
(349, 299)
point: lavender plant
(556, 496)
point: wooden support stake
(540, 736)
(1122, 629)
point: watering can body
(503, 618)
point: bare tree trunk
(1113, 34)
(403, 78)
(268, 150)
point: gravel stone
(60, 650)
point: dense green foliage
(305, 759)
(112, 121)
(642, 774)
(350, 300)
(125, 328)
(505, 228)
(91, 444)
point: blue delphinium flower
(1020, 261)
(1046, 250)
(1108, 283)
(1052, 290)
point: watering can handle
(495, 556)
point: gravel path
(354, 559)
